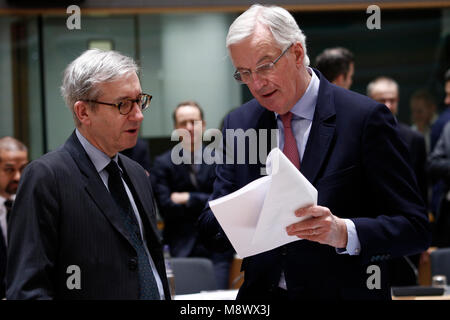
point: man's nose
(136, 112)
(190, 125)
(257, 82)
(17, 175)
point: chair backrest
(440, 262)
(193, 275)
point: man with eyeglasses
(369, 208)
(182, 191)
(84, 221)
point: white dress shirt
(3, 213)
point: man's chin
(11, 191)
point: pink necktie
(290, 145)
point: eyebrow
(127, 97)
(258, 63)
(263, 58)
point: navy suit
(415, 143)
(357, 162)
(180, 220)
(404, 269)
(63, 216)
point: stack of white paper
(255, 217)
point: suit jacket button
(132, 264)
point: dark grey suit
(63, 216)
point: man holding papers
(346, 145)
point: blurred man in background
(404, 270)
(13, 159)
(337, 65)
(182, 191)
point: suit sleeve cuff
(353, 245)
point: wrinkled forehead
(254, 49)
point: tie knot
(286, 119)
(8, 204)
(112, 168)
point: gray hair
(387, 80)
(92, 67)
(280, 22)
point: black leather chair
(440, 262)
(193, 275)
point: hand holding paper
(322, 227)
(255, 217)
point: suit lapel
(321, 134)
(144, 198)
(94, 185)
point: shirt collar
(305, 107)
(98, 158)
(3, 199)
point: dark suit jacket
(404, 270)
(180, 221)
(415, 143)
(357, 162)
(63, 216)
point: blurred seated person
(439, 168)
(444, 116)
(337, 65)
(182, 191)
(385, 90)
(423, 114)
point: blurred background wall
(180, 48)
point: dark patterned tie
(149, 288)
(290, 145)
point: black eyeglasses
(126, 105)
(245, 76)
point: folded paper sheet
(255, 217)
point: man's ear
(339, 81)
(299, 53)
(82, 111)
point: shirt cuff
(353, 245)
